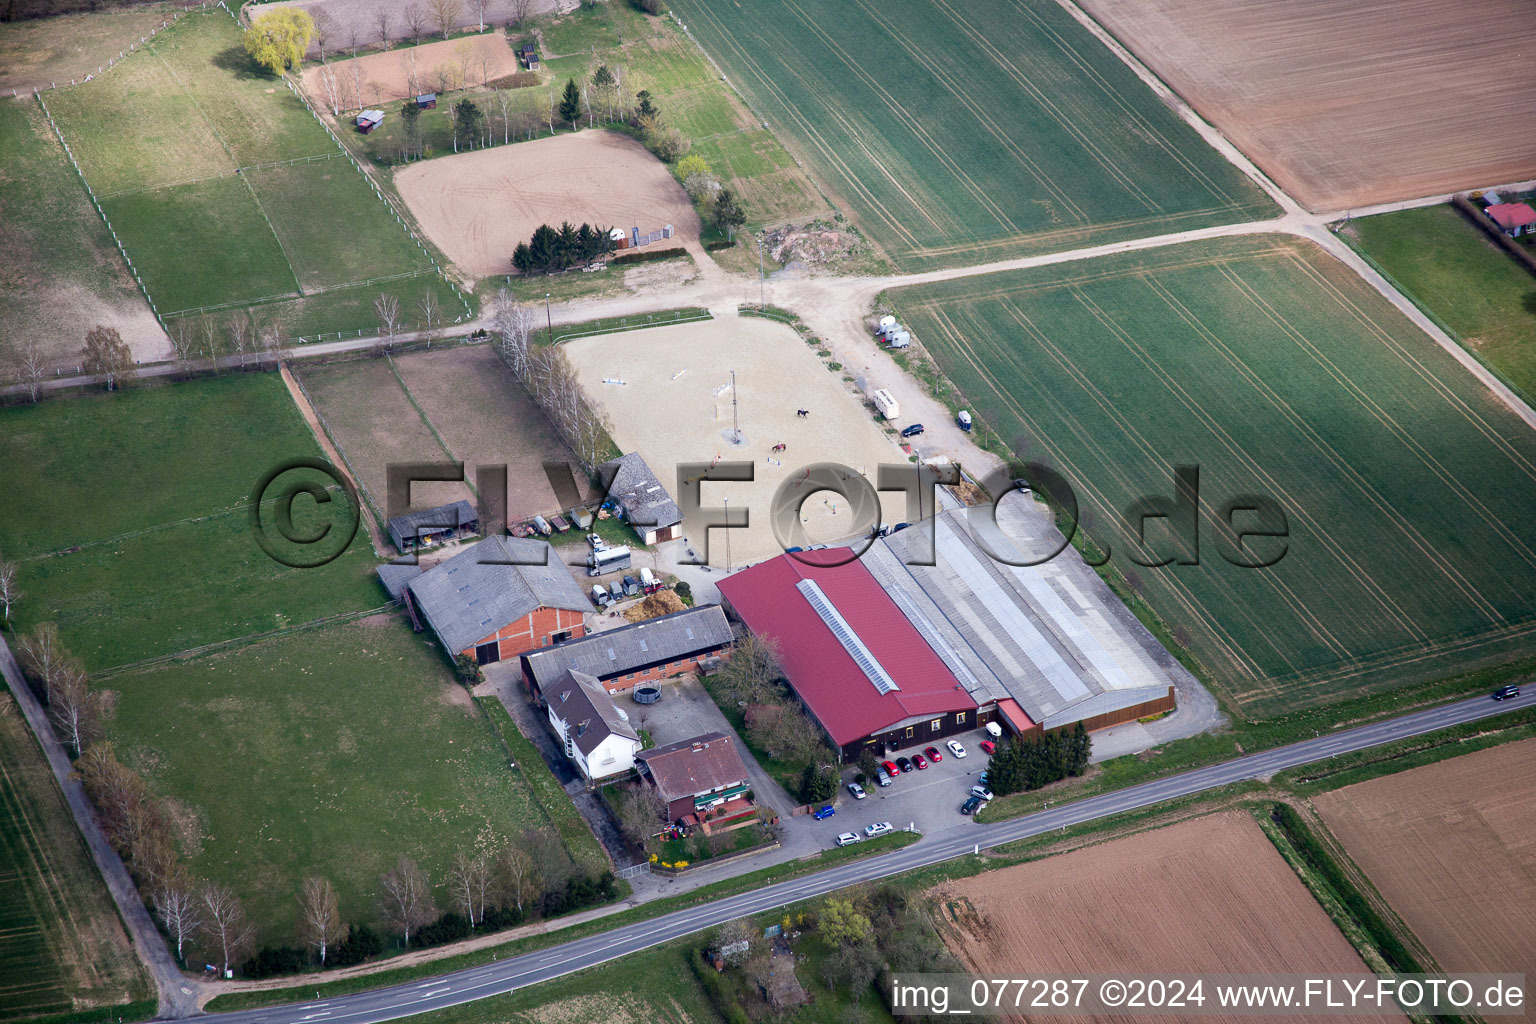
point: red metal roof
(839, 693)
(1512, 215)
(1021, 722)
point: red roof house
(1514, 218)
(861, 669)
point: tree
(210, 344)
(516, 881)
(431, 315)
(646, 108)
(666, 142)
(480, 8)
(238, 327)
(224, 924)
(605, 88)
(853, 965)
(10, 588)
(30, 365)
(444, 13)
(839, 922)
(817, 783)
(179, 910)
(40, 655)
(415, 21)
(468, 880)
(73, 706)
(513, 323)
(652, 7)
(278, 39)
(107, 355)
(869, 764)
(570, 103)
(407, 900)
(752, 672)
(520, 11)
(381, 19)
(468, 123)
(692, 164)
(732, 935)
(728, 213)
(387, 308)
(639, 812)
(319, 916)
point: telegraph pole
(549, 319)
(735, 421)
(761, 301)
(727, 535)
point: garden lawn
(1460, 277)
(963, 133)
(1406, 485)
(128, 516)
(331, 752)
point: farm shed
(485, 604)
(1021, 639)
(433, 526)
(1514, 219)
(641, 652)
(368, 120)
(427, 101)
(529, 56)
(862, 670)
(594, 732)
(695, 775)
(647, 506)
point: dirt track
(477, 206)
(1452, 846)
(386, 76)
(1351, 102)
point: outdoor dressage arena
(477, 206)
(386, 77)
(667, 410)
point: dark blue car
(825, 813)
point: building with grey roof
(428, 526)
(1036, 642)
(495, 599)
(595, 732)
(624, 657)
(647, 505)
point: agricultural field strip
(1110, 410)
(18, 843)
(224, 174)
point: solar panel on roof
(835, 622)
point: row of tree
(555, 249)
(1021, 764)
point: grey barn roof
(589, 714)
(643, 497)
(1038, 634)
(471, 596)
(616, 651)
(397, 575)
(451, 516)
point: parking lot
(928, 800)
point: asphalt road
(542, 965)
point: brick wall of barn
(533, 631)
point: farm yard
(950, 150)
(350, 746)
(1452, 847)
(1343, 107)
(1211, 895)
(685, 370)
(476, 207)
(1277, 372)
(62, 944)
(227, 192)
(147, 547)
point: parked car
(970, 805)
(1506, 692)
(890, 768)
(597, 542)
(984, 777)
(883, 777)
(912, 431)
(826, 812)
(933, 755)
(988, 747)
(981, 791)
(847, 839)
(919, 762)
(879, 828)
(956, 747)
(905, 764)
(857, 790)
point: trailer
(886, 323)
(606, 560)
(899, 338)
(648, 581)
(560, 523)
(542, 525)
(599, 596)
(616, 590)
(964, 420)
(581, 517)
(631, 586)
(885, 402)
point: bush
(362, 943)
(684, 591)
(648, 255)
(816, 784)
(718, 244)
(275, 960)
(649, 6)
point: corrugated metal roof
(451, 516)
(613, 652)
(476, 592)
(644, 499)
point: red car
(987, 746)
(934, 755)
(919, 762)
(890, 768)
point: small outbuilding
(368, 120)
(647, 507)
(421, 529)
(1514, 219)
(426, 101)
(529, 56)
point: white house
(595, 732)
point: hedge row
(648, 255)
(1522, 255)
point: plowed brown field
(1350, 102)
(387, 76)
(1452, 846)
(1206, 896)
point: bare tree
(516, 880)
(30, 364)
(444, 13)
(431, 315)
(551, 861)
(324, 33)
(412, 80)
(73, 706)
(212, 344)
(387, 308)
(319, 916)
(468, 883)
(480, 7)
(357, 84)
(10, 587)
(107, 355)
(407, 901)
(513, 322)
(238, 328)
(442, 77)
(483, 64)
(381, 19)
(639, 812)
(520, 11)
(504, 102)
(184, 344)
(330, 84)
(114, 790)
(415, 21)
(179, 910)
(274, 345)
(354, 39)
(40, 655)
(224, 923)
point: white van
(885, 402)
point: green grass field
(1452, 270)
(335, 751)
(175, 139)
(1406, 485)
(149, 486)
(61, 944)
(961, 133)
